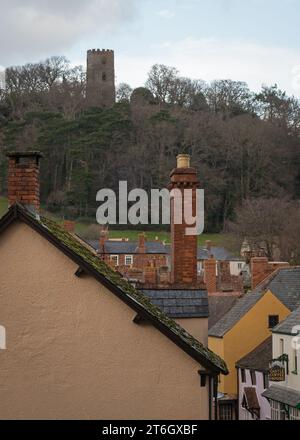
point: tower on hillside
(100, 78)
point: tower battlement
(99, 51)
(100, 78)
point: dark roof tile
(259, 358)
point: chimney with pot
(142, 243)
(210, 274)
(69, 226)
(208, 245)
(261, 268)
(23, 179)
(183, 247)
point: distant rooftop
(284, 283)
(180, 303)
(157, 247)
(287, 326)
(259, 358)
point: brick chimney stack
(142, 243)
(261, 268)
(23, 179)
(183, 247)
(69, 226)
(210, 274)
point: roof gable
(259, 358)
(93, 265)
(283, 284)
(288, 326)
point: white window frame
(115, 259)
(294, 414)
(131, 260)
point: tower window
(103, 76)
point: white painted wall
(292, 380)
(265, 410)
(236, 267)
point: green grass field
(132, 235)
(3, 206)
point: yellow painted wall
(246, 335)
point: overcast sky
(256, 41)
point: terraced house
(283, 394)
(81, 342)
(250, 322)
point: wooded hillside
(245, 145)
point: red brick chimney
(142, 243)
(69, 226)
(261, 268)
(210, 274)
(183, 247)
(23, 179)
(208, 245)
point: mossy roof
(133, 297)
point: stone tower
(100, 78)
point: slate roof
(259, 358)
(219, 253)
(89, 262)
(218, 307)
(129, 247)
(157, 247)
(180, 303)
(240, 308)
(283, 283)
(285, 395)
(287, 326)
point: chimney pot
(183, 161)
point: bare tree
(269, 224)
(124, 92)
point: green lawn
(132, 235)
(3, 206)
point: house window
(295, 362)
(243, 375)
(266, 381)
(273, 320)
(277, 411)
(253, 377)
(281, 347)
(226, 412)
(294, 414)
(240, 265)
(115, 259)
(128, 260)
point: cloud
(214, 58)
(166, 13)
(37, 28)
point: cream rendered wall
(292, 380)
(197, 327)
(73, 350)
